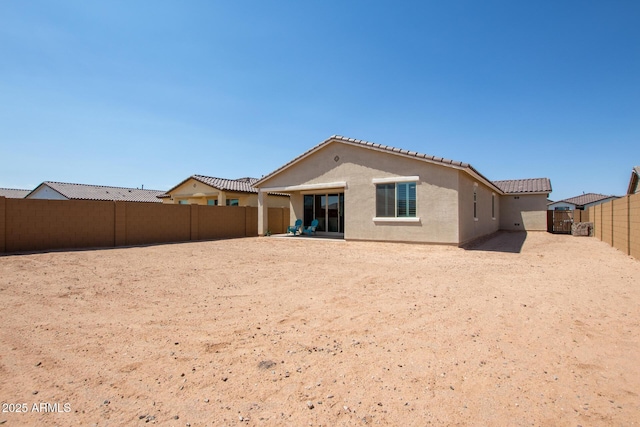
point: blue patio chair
(295, 228)
(312, 228)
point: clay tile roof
(13, 193)
(585, 199)
(532, 185)
(536, 185)
(370, 145)
(240, 185)
(244, 185)
(102, 192)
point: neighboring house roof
(398, 151)
(240, 185)
(243, 185)
(13, 193)
(101, 192)
(520, 186)
(585, 199)
(633, 181)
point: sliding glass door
(328, 209)
(319, 213)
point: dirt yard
(285, 331)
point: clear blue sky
(127, 93)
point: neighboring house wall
(188, 189)
(582, 202)
(561, 206)
(484, 222)
(46, 193)
(523, 212)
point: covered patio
(322, 202)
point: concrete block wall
(33, 225)
(595, 214)
(251, 221)
(278, 220)
(37, 225)
(211, 217)
(607, 223)
(3, 220)
(634, 225)
(618, 223)
(580, 215)
(120, 228)
(148, 223)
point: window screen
(385, 200)
(396, 200)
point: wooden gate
(559, 221)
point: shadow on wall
(501, 241)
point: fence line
(617, 223)
(36, 225)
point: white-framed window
(475, 201)
(233, 202)
(396, 200)
(212, 202)
(183, 202)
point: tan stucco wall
(192, 186)
(524, 212)
(470, 227)
(436, 192)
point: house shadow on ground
(501, 241)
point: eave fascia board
(477, 175)
(533, 193)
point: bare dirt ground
(275, 331)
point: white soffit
(304, 187)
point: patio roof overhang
(304, 187)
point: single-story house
(208, 190)
(581, 202)
(365, 191)
(634, 187)
(51, 190)
(13, 193)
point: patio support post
(263, 213)
(222, 198)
